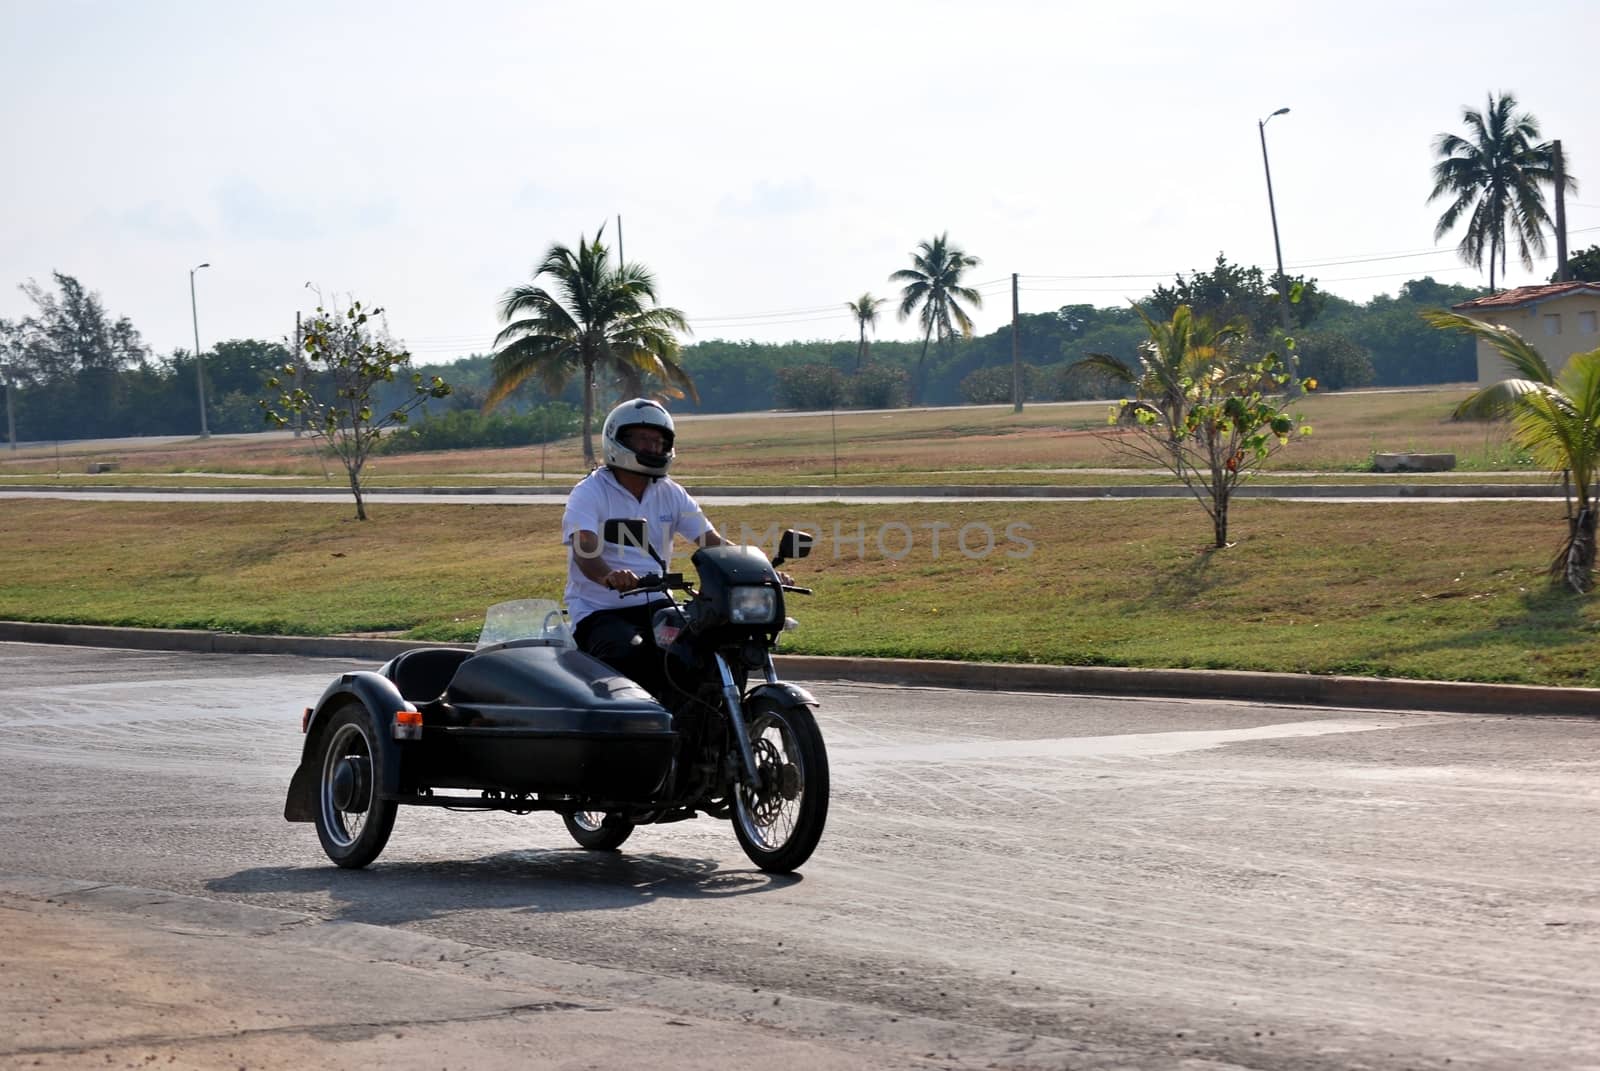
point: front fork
(741, 731)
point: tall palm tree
(603, 319)
(1556, 418)
(933, 290)
(865, 310)
(1492, 177)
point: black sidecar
(530, 723)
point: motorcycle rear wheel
(597, 830)
(780, 822)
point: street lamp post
(199, 366)
(1277, 248)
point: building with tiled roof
(1557, 319)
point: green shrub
(464, 429)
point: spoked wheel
(597, 830)
(780, 821)
(352, 822)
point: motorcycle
(527, 722)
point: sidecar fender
(382, 699)
(786, 696)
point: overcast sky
(770, 162)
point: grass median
(1434, 590)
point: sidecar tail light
(305, 720)
(408, 725)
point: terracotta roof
(1527, 295)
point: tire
(352, 822)
(779, 824)
(597, 830)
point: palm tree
(865, 310)
(1202, 410)
(1556, 418)
(605, 320)
(933, 284)
(1492, 177)
(1176, 355)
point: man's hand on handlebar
(621, 580)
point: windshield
(541, 620)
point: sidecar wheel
(597, 830)
(780, 822)
(352, 822)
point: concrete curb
(1306, 689)
(1376, 489)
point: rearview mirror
(793, 544)
(631, 532)
(625, 532)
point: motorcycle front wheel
(779, 821)
(597, 830)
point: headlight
(752, 605)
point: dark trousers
(624, 640)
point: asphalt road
(1007, 880)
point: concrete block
(1412, 462)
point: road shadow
(533, 880)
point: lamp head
(1280, 111)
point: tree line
(81, 372)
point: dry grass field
(1047, 443)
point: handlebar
(651, 582)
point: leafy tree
(1334, 360)
(1233, 292)
(1202, 410)
(1556, 419)
(346, 361)
(992, 385)
(1491, 179)
(1403, 349)
(71, 332)
(879, 386)
(1583, 266)
(933, 286)
(865, 310)
(810, 386)
(68, 357)
(605, 320)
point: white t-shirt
(668, 511)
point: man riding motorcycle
(637, 442)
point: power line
(483, 341)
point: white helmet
(640, 412)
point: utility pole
(1562, 275)
(11, 421)
(299, 365)
(1016, 351)
(619, 240)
